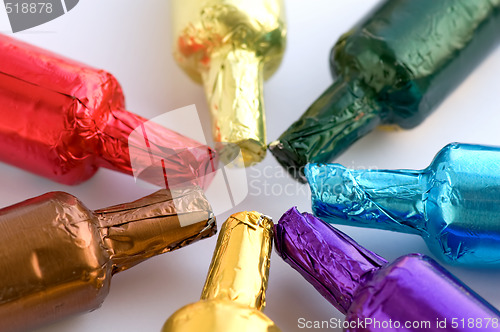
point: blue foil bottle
(454, 204)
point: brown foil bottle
(57, 257)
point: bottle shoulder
(414, 53)
(220, 316)
(228, 26)
(54, 240)
(55, 254)
(416, 281)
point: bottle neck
(161, 222)
(384, 199)
(330, 260)
(240, 266)
(233, 86)
(131, 144)
(345, 112)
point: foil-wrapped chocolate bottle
(453, 203)
(57, 257)
(231, 47)
(63, 120)
(394, 67)
(234, 292)
(412, 293)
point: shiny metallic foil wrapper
(57, 257)
(234, 292)
(368, 289)
(63, 120)
(231, 46)
(394, 67)
(453, 204)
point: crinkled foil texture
(414, 289)
(331, 261)
(394, 67)
(452, 204)
(63, 120)
(231, 47)
(385, 199)
(57, 256)
(164, 221)
(234, 292)
(245, 244)
(345, 112)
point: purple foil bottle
(413, 293)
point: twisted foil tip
(289, 159)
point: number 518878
(29, 7)
(476, 324)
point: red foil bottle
(63, 120)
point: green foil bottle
(394, 67)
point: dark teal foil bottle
(454, 204)
(394, 67)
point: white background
(132, 40)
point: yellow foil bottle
(231, 47)
(57, 257)
(234, 293)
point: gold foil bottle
(231, 47)
(234, 293)
(57, 257)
